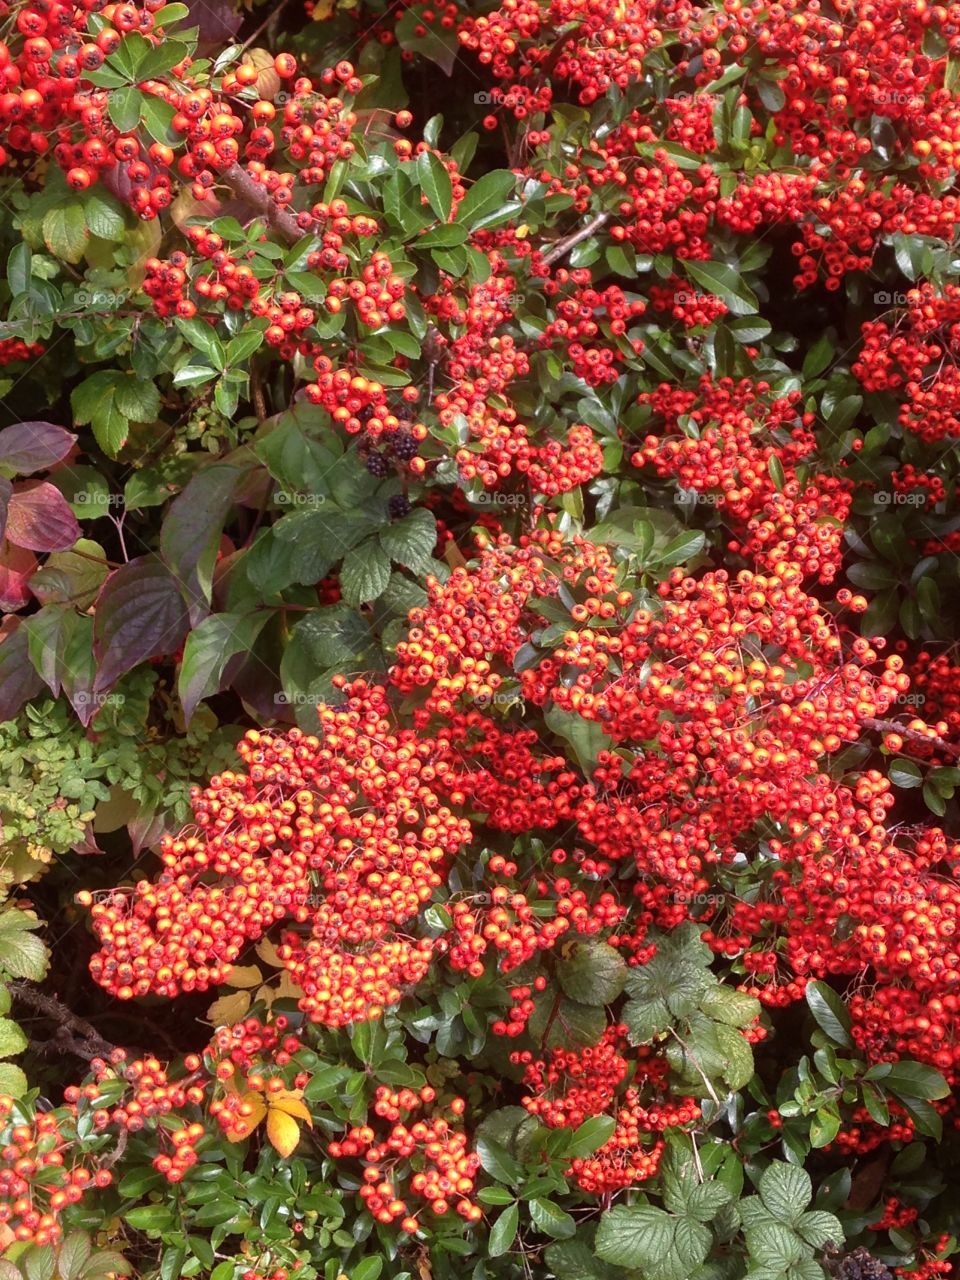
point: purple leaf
(34, 446)
(6, 493)
(140, 614)
(19, 681)
(192, 529)
(40, 519)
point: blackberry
(377, 465)
(861, 1265)
(404, 413)
(365, 414)
(399, 506)
(404, 446)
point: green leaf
(368, 1269)
(208, 649)
(365, 573)
(123, 106)
(905, 774)
(575, 1260)
(74, 1252)
(637, 1236)
(773, 1245)
(818, 1227)
(724, 282)
(65, 230)
(411, 541)
(593, 973)
(193, 527)
(585, 736)
(911, 1080)
(12, 1082)
(157, 117)
(785, 1190)
(738, 1065)
(202, 336)
(485, 199)
(830, 1013)
(590, 1136)
(498, 1161)
(104, 214)
(22, 954)
(436, 184)
(39, 1262)
(12, 1039)
(503, 1232)
(552, 1220)
(680, 550)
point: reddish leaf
(39, 518)
(34, 446)
(17, 566)
(140, 614)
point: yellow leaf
(268, 953)
(229, 1009)
(323, 9)
(290, 1104)
(247, 1124)
(244, 975)
(283, 1131)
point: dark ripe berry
(860, 1265)
(365, 414)
(404, 413)
(377, 465)
(399, 506)
(404, 446)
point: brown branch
(253, 193)
(90, 1043)
(563, 247)
(912, 735)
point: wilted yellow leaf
(244, 975)
(283, 1131)
(247, 1124)
(323, 9)
(229, 1009)
(289, 1103)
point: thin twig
(911, 735)
(563, 247)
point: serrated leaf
(364, 574)
(785, 1190)
(592, 973)
(410, 541)
(635, 1236)
(227, 1011)
(12, 1039)
(65, 230)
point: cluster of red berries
(39, 1176)
(916, 357)
(735, 462)
(447, 1169)
(342, 831)
(13, 350)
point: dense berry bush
(479, 690)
